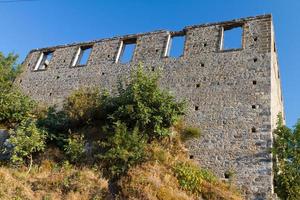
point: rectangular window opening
(232, 38)
(44, 61)
(175, 46)
(126, 51)
(82, 56)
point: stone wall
(233, 95)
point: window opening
(232, 38)
(175, 46)
(43, 61)
(126, 51)
(82, 56)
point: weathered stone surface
(221, 87)
(3, 138)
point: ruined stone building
(233, 93)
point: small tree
(26, 139)
(144, 105)
(14, 106)
(75, 148)
(8, 69)
(287, 166)
(122, 150)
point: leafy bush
(26, 139)
(8, 69)
(14, 106)
(82, 106)
(191, 177)
(144, 105)
(122, 150)
(75, 148)
(57, 125)
(286, 150)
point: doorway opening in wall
(232, 37)
(175, 45)
(126, 50)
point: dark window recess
(232, 38)
(191, 156)
(227, 175)
(176, 46)
(254, 82)
(253, 130)
(83, 55)
(255, 39)
(197, 85)
(255, 60)
(44, 61)
(254, 106)
(196, 107)
(202, 64)
(127, 50)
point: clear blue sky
(41, 23)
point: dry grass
(48, 181)
(152, 181)
(156, 179)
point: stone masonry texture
(233, 95)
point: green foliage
(14, 106)
(190, 133)
(75, 148)
(122, 150)
(26, 139)
(191, 177)
(8, 70)
(82, 106)
(57, 125)
(287, 154)
(144, 105)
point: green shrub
(191, 177)
(286, 150)
(57, 125)
(144, 105)
(8, 69)
(82, 106)
(14, 106)
(190, 133)
(26, 139)
(122, 150)
(75, 148)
